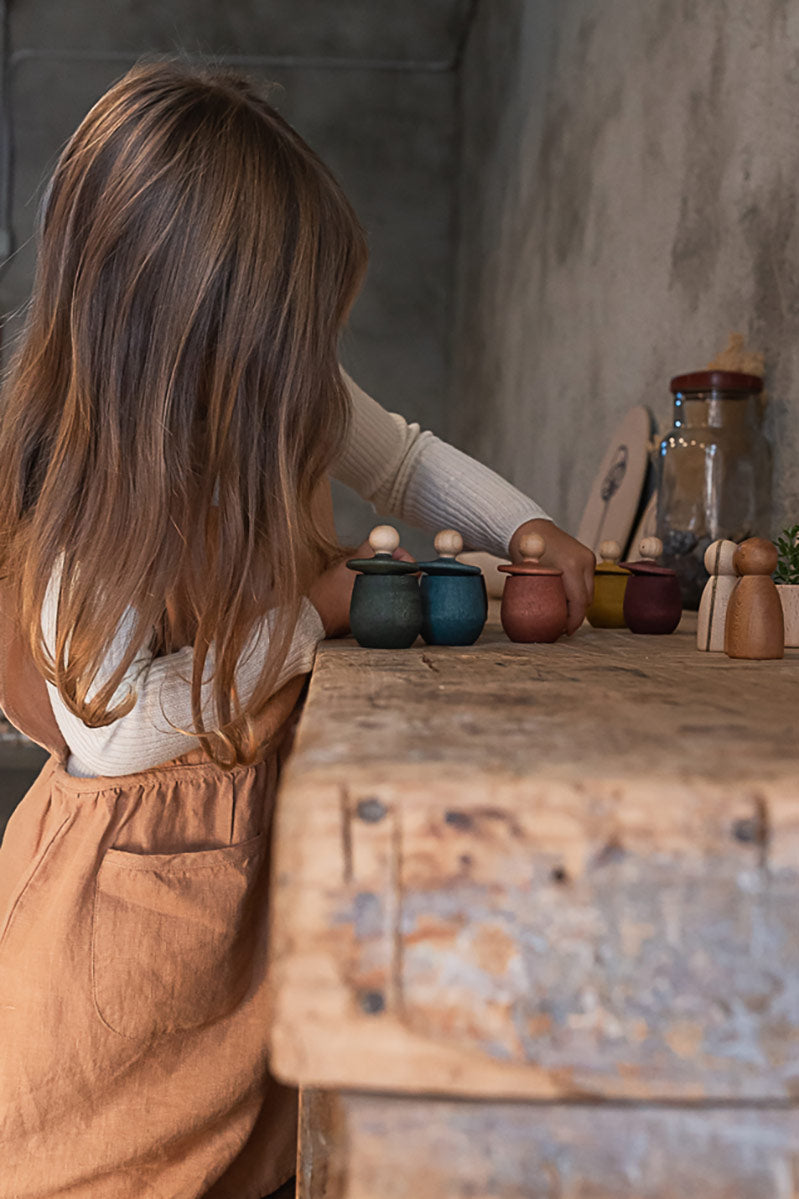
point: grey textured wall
(372, 90)
(628, 197)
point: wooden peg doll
(716, 595)
(755, 627)
(534, 599)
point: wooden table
(536, 922)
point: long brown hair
(176, 398)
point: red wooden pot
(534, 599)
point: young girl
(168, 567)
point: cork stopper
(448, 543)
(384, 539)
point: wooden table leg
(321, 1133)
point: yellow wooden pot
(610, 584)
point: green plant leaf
(787, 544)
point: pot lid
(527, 568)
(382, 564)
(647, 567)
(448, 566)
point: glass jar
(714, 472)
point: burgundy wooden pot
(653, 600)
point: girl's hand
(569, 555)
(331, 593)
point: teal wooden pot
(454, 608)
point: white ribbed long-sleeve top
(404, 472)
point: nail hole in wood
(458, 819)
(371, 810)
(746, 830)
(372, 1002)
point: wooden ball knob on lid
(532, 546)
(448, 543)
(384, 539)
(651, 548)
(610, 551)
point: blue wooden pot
(454, 602)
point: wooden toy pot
(386, 608)
(653, 600)
(454, 600)
(606, 610)
(534, 600)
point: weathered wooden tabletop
(558, 873)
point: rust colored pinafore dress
(133, 999)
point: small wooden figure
(454, 600)
(534, 599)
(716, 595)
(755, 627)
(652, 601)
(606, 610)
(386, 608)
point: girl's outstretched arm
(417, 477)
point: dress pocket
(173, 936)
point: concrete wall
(372, 93)
(628, 196)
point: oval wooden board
(616, 492)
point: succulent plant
(788, 561)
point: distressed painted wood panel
(517, 897)
(399, 1148)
